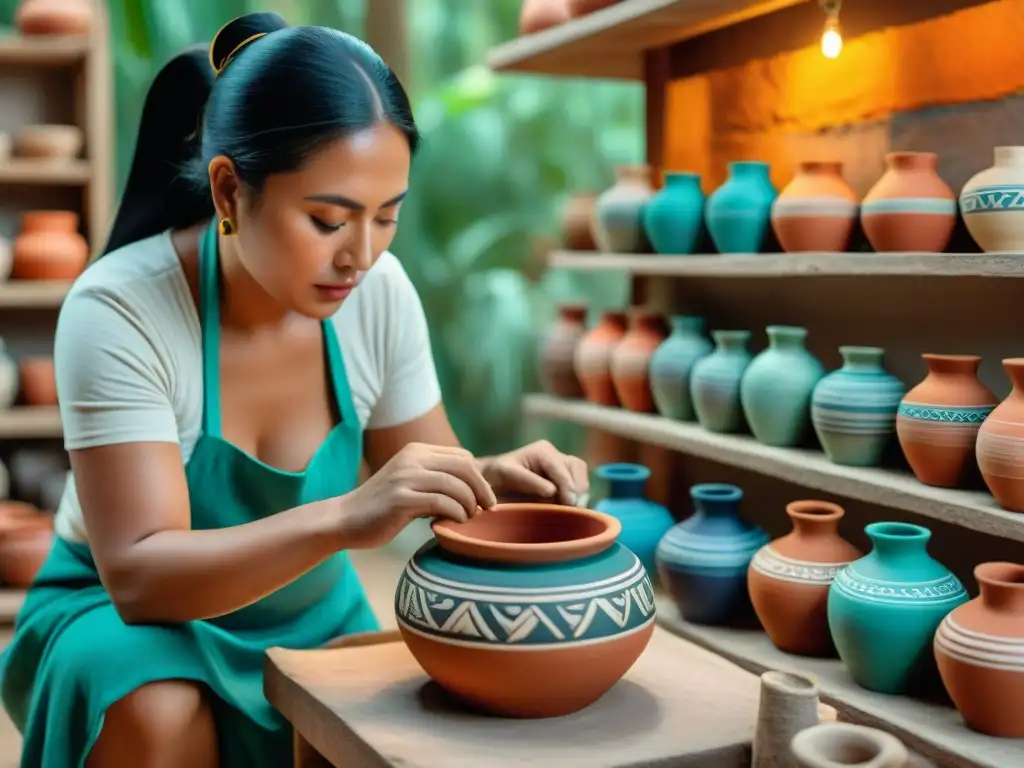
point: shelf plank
(611, 42)
(33, 294)
(934, 731)
(30, 422)
(976, 510)
(65, 173)
(798, 264)
(46, 50)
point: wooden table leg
(306, 756)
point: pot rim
(452, 537)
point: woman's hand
(419, 481)
(539, 469)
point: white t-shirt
(128, 355)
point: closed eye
(324, 227)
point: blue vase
(674, 218)
(644, 522)
(738, 213)
(703, 560)
(853, 410)
(715, 382)
(777, 386)
(672, 363)
(883, 609)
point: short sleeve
(410, 387)
(111, 384)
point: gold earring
(227, 227)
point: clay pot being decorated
(526, 610)
(715, 382)
(557, 375)
(836, 745)
(9, 378)
(53, 17)
(738, 213)
(674, 218)
(776, 387)
(703, 560)
(816, 211)
(789, 578)
(853, 410)
(25, 544)
(49, 247)
(1000, 446)
(618, 215)
(883, 609)
(537, 15)
(37, 380)
(992, 203)
(631, 359)
(644, 522)
(910, 208)
(938, 420)
(577, 222)
(672, 363)
(979, 648)
(592, 358)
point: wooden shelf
(23, 422)
(935, 731)
(611, 42)
(51, 50)
(866, 264)
(976, 510)
(73, 173)
(32, 294)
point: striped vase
(1000, 446)
(910, 208)
(715, 382)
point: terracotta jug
(816, 211)
(53, 17)
(38, 381)
(632, 357)
(938, 420)
(49, 246)
(537, 15)
(577, 222)
(789, 578)
(910, 208)
(979, 648)
(592, 360)
(1000, 447)
(556, 359)
(24, 546)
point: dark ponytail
(263, 94)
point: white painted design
(980, 649)
(933, 592)
(770, 563)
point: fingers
(439, 505)
(519, 479)
(580, 477)
(553, 465)
(463, 468)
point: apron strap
(339, 377)
(209, 318)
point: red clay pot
(49, 247)
(38, 381)
(631, 360)
(592, 360)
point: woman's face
(313, 233)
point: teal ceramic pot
(672, 363)
(703, 560)
(738, 213)
(526, 610)
(674, 218)
(644, 522)
(618, 214)
(883, 609)
(853, 410)
(777, 386)
(715, 382)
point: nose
(357, 252)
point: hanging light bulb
(831, 37)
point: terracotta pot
(557, 375)
(938, 420)
(53, 17)
(816, 211)
(49, 142)
(38, 381)
(789, 578)
(14, 514)
(583, 7)
(49, 246)
(24, 547)
(537, 15)
(979, 648)
(631, 359)
(592, 360)
(578, 222)
(1000, 446)
(910, 208)
(519, 611)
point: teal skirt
(72, 657)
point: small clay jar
(24, 547)
(577, 222)
(631, 359)
(592, 359)
(53, 17)
(557, 375)
(38, 381)
(49, 246)
(1000, 446)
(537, 15)
(49, 142)
(834, 745)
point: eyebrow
(353, 205)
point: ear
(225, 187)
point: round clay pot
(578, 221)
(910, 208)
(38, 381)
(24, 547)
(618, 214)
(53, 17)
(631, 360)
(1000, 446)
(557, 375)
(49, 142)
(816, 211)
(789, 578)
(592, 359)
(519, 611)
(537, 15)
(49, 246)
(989, 206)
(14, 514)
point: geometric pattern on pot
(771, 563)
(973, 414)
(569, 603)
(936, 591)
(980, 649)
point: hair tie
(218, 67)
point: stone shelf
(22, 422)
(976, 510)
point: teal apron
(72, 656)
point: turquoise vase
(703, 560)
(674, 218)
(715, 382)
(777, 386)
(644, 522)
(883, 609)
(672, 363)
(853, 410)
(738, 213)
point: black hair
(263, 94)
